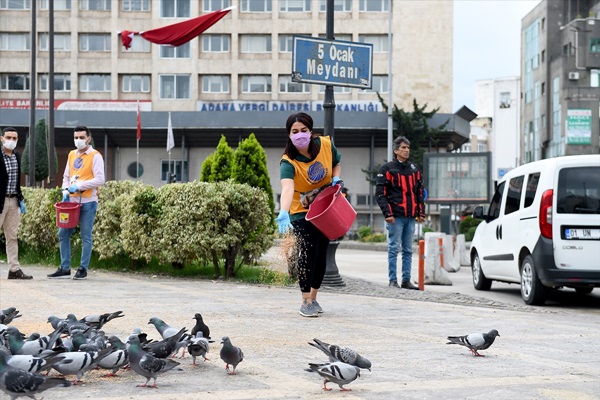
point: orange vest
(312, 174)
(80, 167)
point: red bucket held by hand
(67, 214)
(331, 213)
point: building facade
(560, 79)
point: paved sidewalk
(539, 355)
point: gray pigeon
(475, 341)
(117, 358)
(343, 354)
(199, 347)
(232, 355)
(8, 315)
(15, 382)
(98, 321)
(165, 347)
(167, 331)
(200, 327)
(17, 345)
(79, 362)
(31, 363)
(145, 364)
(336, 372)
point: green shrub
(363, 232)
(374, 238)
(470, 233)
(38, 225)
(468, 223)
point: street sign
(332, 62)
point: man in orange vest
(83, 175)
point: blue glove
(23, 208)
(283, 219)
(337, 181)
(66, 198)
(73, 188)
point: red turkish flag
(179, 33)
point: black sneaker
(61, 274)
(408, 285)
(81, 273)
(393, 284)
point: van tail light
(546, 214)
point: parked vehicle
(542, 229)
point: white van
(542, 229)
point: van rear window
(579, 191)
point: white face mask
(80, 144)
(10, 144)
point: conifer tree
(217, 166)
(42, 166)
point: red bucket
(331, 213)
(67, 214)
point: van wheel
(533, 291)
(584, 290)
(480, 282)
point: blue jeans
(86, 222)
(401, 234)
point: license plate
(582, 233)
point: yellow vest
(312, 174)
(80, 168)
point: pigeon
(15, 382)
(232, 355)
(336, 372)
(146, 364)
(167, 331)
(143, 336)
(79, 362)
(200, 327)
(199, 347)
(8, 315)
(98, 321)
(17, 345)
(475, 341)
(31, 363)
(343, 354)
(165, 347)
(117, 358)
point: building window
(255, 43)
(482, 147)
(256, 84)
(180, 175)
(257, 6)
(17, 82)
(216, 43)
(182, 51)
(342, 36)
(59, 5)
(215, 84)
(138, 45)
(363, 200)
(174, 8)
(15, 4)
(135, 83)
(595, 45)
(294, 5)
(215, 5)
(14, 41)
(174, 86)
(505, 100)
(94, 42)
(336, 89)
(379, 42)
(379, 85)
(286, 43)
(94, 5)
(62, 82)
(338, 5)
(136, 5)
(595, 78)
(287, 86)
(62, 42)
(94, 83)
(466, 148)
(374, 5)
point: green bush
(374, 238)
(468, 223)
(363, 232)
(470, 233)
(38, 225)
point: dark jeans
(312, 258)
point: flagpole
(138, 133)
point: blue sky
(487, 43)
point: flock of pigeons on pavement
(76, 346)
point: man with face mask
(12, 203)
(84, 173)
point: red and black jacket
(399, 189)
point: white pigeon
(336, 372)
(199, 347)
(117, 358)
(79, 362)
(343, 354)
(475, 341)
(30, 363)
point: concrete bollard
(434, 273)
(450, 262)
(461, 251)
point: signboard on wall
(453, 178)
(579, 126)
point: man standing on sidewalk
(399, 193)
(12, 204)
(83, 175)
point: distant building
(560, 79)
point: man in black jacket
(12, 203)
(399, 193)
